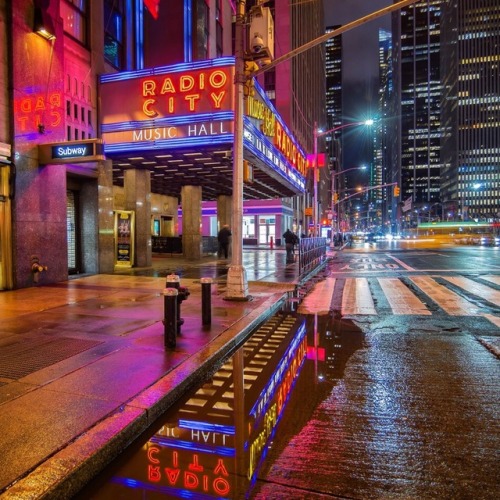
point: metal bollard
(170, 316)
(173, 281)
(206, 301)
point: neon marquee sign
(164, 92)
(270, 126)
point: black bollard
(206, 301)
(170, 316)
(174, 281)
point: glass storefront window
(249, 227)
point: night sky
(360, 72)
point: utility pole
(237, 284)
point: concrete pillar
(105, 221)
(224, 210)
(137, 185)
(191, 222)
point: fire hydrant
(36, 268)
(173, 281)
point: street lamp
(317, 135)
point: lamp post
(237, 284)
(317, 135)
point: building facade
(470, 62)
(418, 89)
(75, 195)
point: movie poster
(124, 238)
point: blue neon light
(188, 31)
(169, 120)
(264, 97)
(278, 162)
(139, 29)
(163, 70)
(269, 390)
(169, 143)
(188, 445)
(205, 426)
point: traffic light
(335, 197)
(247, 172)
(396, 190)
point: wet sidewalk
(84, 370)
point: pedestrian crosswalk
(417, 295)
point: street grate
(22, 358)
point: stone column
(105, 220)
(224, 210)
(191, 222)
(137, 185)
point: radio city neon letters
(184, 91)
(194, 477)
(36, 109)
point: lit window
(113, 32)
(74, 14)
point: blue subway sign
(71, 152)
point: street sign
(308, 211)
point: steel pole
(315, 173)
(237, 284)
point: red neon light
(29, 112)
(153, 7)
(194, 476)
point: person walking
(223, 239)
(291, 239)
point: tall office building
(416, 56)
(388, 204)
(333, 74)
(470, 61)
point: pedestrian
(223, 239)
(291, 239)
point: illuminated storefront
(176, 124)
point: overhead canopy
(178, 123)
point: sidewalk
(84, 370)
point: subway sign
(89, 150)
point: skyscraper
(416, 56)
(470, 62)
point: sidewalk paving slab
(95, 369)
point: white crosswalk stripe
(401, 299)
(357, 297)
(448, 300)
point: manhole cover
(25, 357)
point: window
(113, 32)
(201, 30)
(74, 14)
(218, 29)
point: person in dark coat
(223, 239)
(291, 239)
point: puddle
(215, 442)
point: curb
(65, 473)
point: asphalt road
(406, 402)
